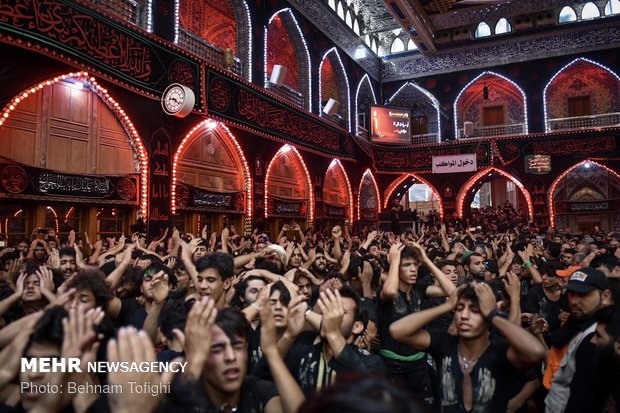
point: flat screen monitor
(390, 125)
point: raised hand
(132, 346)
(332, 309)
(198, 335)
(394, 254)
(160, 287)
(486, 298)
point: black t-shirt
(189, 395)
(537, 302)
(492, 376)
(131, 314)
(392, 310)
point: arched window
(590, 11)
(612, 7)
(502, 26)
(348, 19)
(567, 15)
(356, 27)
(397, 46)
(332, 4)
(340, 10)
(367, 40)
(483, 30)
(375, 46)
(411, 45)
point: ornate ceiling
(443, 32)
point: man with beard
(606, 340)
(542, 301)
(473, 263)
(68, 263)
(576, 383)
(317, 263)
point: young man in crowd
(475, 372)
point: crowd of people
(466, 316)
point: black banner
(335, 211)
(368, 214)
(279, 207)
(230, 99)
(611, 205)
(198, 199)
(23, 181)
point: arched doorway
(585, 196)
(334, 84)
(285, 46)
(211, 181)
(419, 201)
(337, 196)
(364, 98)
(490, 188)
(369, 200)
(583, 94)
(494, 104)
(424, 108)
(71, 160)
(289, 196)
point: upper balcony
(604, 120)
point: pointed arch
(409, 96)
(140, 153)
(460, 200)
(584, 74)
(344, 186)
(507, 92)
(333, 57)
(404, 178)
(557, 180)
(363, 105)
(298, 75)
(368, 179)
(295, 155)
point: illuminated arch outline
(429, 95)
(357, 92)
(336, 163)
(102, 93)
(397, 182)
(303, 41)
(359, 191)
(562, 176)
(456, 102)
(579, 59)
(210, 125)
(480, 174)
(346, 81)
(309, 188)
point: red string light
(368, 173)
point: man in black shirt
(475, 372)
(402, 295)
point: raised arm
(390, 286)
(525, 350)
(445, 285)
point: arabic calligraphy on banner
(611, 205)
(232, 100)
(191, 197)
(98, 43)
(454, 163)
(28, 181)
(537, 164)
(279, 207)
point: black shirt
(392, 310)
(189, 396)
(131, 314)
(492, 376)
(537, 302)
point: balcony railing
(495, 130)
(207, 51)
(584, 122)
(286, 93)
(424, 139)
(133, 11)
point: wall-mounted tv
(390, 125)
